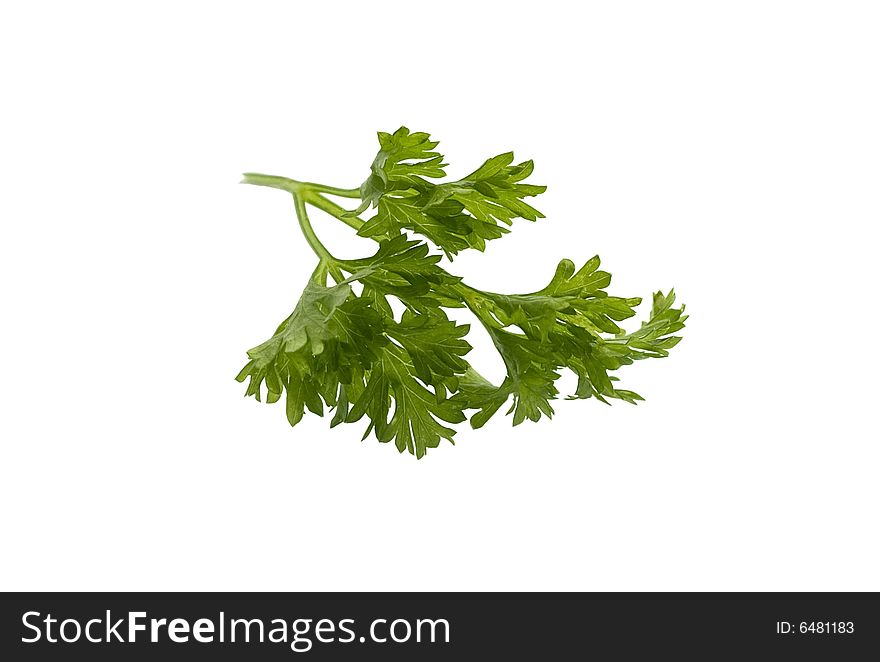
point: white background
(727, 149)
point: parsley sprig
(343, 348)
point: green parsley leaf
(404, 269)
(403, 158)
(414, 426)
(453, 216)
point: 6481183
(815, 627)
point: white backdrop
(727, 149)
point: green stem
(295, 186)
(333, 209)
(309, 233)
(333, 190)
(271, 181)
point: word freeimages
(300, 634)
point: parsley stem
(272, 181)
(303, 192)
(309, 233)
(333, 190)
(333, 209)
(294, 186)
